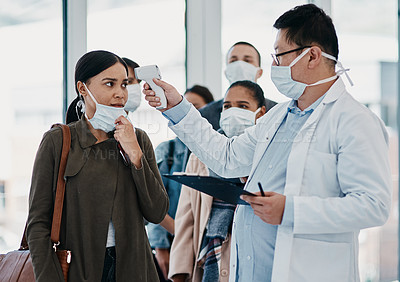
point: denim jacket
(158, 236)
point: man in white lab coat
(321, 157)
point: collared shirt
(255, 239)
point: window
(2, 197)
(144, 32)
(369, 49)
(252, 21)
(31, 100)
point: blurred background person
(243, 62)
(170, 156)
(134, 91)
(201, 248)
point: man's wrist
(288, 213)
(178, 112)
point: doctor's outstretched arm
(226, 157)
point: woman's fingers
(122, 120)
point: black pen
(261, 189)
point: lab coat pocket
(320, 175)
(316, 261)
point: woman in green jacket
(109, 190)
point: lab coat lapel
(294, 176)
(298, 154)
(306, 136)
(262, 144)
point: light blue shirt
(256, 238)
(255, 251)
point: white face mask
(282, 77)
(105, 116)
(235, 120)
(240, 70)
(134, 97)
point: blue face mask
(105, 116)
(281, 76)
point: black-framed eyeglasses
(275, 57)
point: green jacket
(99, 188)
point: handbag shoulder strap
(59, 201)
(60, 190)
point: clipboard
(219, 188)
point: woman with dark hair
(201, 247)
(75, 109)
(112, 183)
(199, 96)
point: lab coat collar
(306, 136)
(336, 90)
(333, 92)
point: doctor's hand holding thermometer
(269, 208)
(172, 95)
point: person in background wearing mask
(170, 157)
(112, 183)
(200, 250)
(133, 87)
(322, 158)
(243, 62)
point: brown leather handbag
(17, 265)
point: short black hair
(307, 25)
(255, 90)
(132, 65)
(248, 44)
(201, 91)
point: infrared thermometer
(147, 73)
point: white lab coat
(338, 173)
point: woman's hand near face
(172, 95)
(126, 136)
